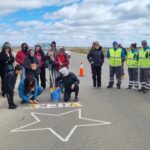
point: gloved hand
(135, 56)
(146, 55)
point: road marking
(92, 122)
(54, 105)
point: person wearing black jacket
(42, 61)
(6, 63)
(9, 85)
(70, 83)
(31, 65)
(96, 59)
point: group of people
(137, 60)
(31, 65)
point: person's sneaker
(12, 107)
(145, 91)
(76, 99)
(109, 86)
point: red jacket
(61, 59)
(20, 57)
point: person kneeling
(29, 90)
(70, 83)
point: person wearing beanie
(9, 85)
(144, 64)
(115, 56)
(6, 63)
(132, 63)
(70, 82)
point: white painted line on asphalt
(54, 105)
(92, 122)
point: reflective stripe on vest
(144, 62)
(115, 57)
(131, 61)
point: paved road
(127, 111)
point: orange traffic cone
(81, 73)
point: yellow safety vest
(131, 61)
(115, 57)
(144, 62)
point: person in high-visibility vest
(115, 56)
(144, 64)
(132, 63)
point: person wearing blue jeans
(29, 90)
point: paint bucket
(55, 95)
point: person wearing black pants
(96, 59)
(42, 60)
(9, 85)
(6, 63)
(70, 82)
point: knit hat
(64, 71)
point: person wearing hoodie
(70, 82)
(20, 57)
(29, 90)
(61, 59)
(132, 63)
(32, 65)
(96, 59)
(115, 56)
(9, 85)
(6, 63)
(144, 64)
(42, 60)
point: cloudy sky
(74, 22)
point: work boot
(99, 84)
(145, 91)
(118, 86)
(13, 106)
(94, 83)
(129, 87)
(141, 89)
(109, 86)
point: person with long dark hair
(31, 65)
(6, 63)
(42, 60)
(29, 90)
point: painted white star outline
(66, 139)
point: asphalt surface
(127, 113)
